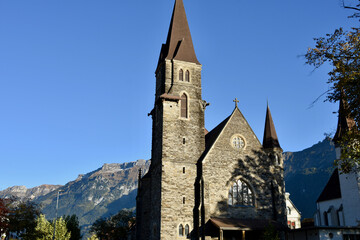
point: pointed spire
(179, 45)
(345, 123)
(270, 138)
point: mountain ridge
(113, 186)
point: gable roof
(179, 45)
(332, 189)
(270, 139)
(211, 136)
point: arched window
(181, 75)
(288, 210)
(187, 230)
(181, 230)
(326, 221)
(183, 106)
(240, 194)
(187, 76)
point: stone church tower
(222, 184)
(178, 135)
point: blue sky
(77, 77)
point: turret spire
(345, 123)
(179, 45)
(270, 138)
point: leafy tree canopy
(22, 219)
(115, 227)
(341, 50)
(45, 229)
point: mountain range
(112, 187)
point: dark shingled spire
(179, 44)
(270, 138)
(345, 123)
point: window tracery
(240, 194)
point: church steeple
(345, 123)
(179, 45)
(270, 139)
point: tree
(22, 219)
(4, 215)
(93, 237)
(270, 233)
(72, 224)
(45, 229)
(342, 50)
(115, 227)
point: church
(219, 184)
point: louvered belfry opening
(183, 103)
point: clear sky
(77, 77)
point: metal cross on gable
(236, 102)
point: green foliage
(45, 229)
(93, 237)
(342, 50)
(72, 224)
(270, 233)
(350, 149)
(115, 227)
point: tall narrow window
(326, 221)
(181, 230)
(181, 75)
(240, 194)
(183, 105)
(187, 76)
(187, 230)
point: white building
(293, 214)
(338, 206)
(339, 202)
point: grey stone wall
(223, 165)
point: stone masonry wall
(183, 144)
(224, 165)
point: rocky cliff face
(32, 193)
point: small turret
(270, 138)
(345, 123)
